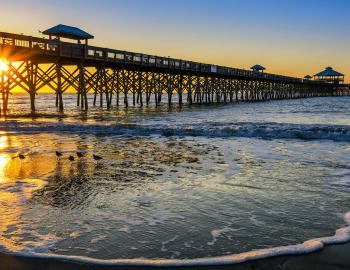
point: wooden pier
(113, 76)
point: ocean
(179, 183)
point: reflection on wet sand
(127, 165)
(16, 188)
(162, 196)
(45, 181)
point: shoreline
(332, 257)
(330, 252)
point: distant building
(258, 69)
(329, 75)
(307, 77)
(70, 32)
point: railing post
(105, 54)
(59, 47)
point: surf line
(341, 236)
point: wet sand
(335, 257)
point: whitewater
(191, 185)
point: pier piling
(35, 63)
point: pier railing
(59, 66)
(55, 48)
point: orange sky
(291, 37)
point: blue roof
(257, 67)
(66, 31)
(329, 72)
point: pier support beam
(82, 88)
(59, 92)
(32, 72)
(130, 82)
(6, 81)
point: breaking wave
(341, 236)
(268, 130)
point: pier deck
(110, 74)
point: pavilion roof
(66, 31)
(329, 72)
(257, 67)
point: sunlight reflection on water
(168, 195)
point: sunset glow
(174, 134)
(231, 33)
(3, 65)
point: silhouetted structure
(329, 75)
(64, 31)
(114, 74)
(258, 69)
(307, 77)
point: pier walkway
(113, 76)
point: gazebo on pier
(330, 75)
(258, 69)
(64, 31)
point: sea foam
(266, 130)
(341, 236)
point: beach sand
(330, 258)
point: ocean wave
(341, 236)
(263, 130)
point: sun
(3, 65)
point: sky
(289, 37)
